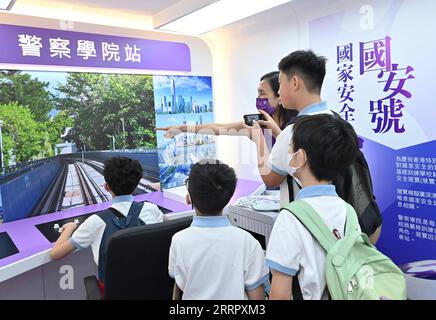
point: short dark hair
(211, 185)
(330, 142)
(309, 66)
(122, 174)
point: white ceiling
(133, 14)
(146, 7)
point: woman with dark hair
(276, 118)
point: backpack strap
(312, 222)
(289, 178)
(352, 222)
(297, 293)
(290, 182)
(107, 216)
(132, 217)
(114, 221)
(116, 213)
(135, 210)
(316, 226)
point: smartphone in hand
(249, 118)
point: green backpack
(354, 269)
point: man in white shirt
(301, 77)
(213, 260)
(321, 145)
(122, 176)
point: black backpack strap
(290, 182)
(116, 213)
(296, 289)
(114, 221)
(289, 178)
(132, 218)
(134, 212)
(297, 294)
(107, 216)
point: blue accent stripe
(267, 287)
(126, 198)
(277, 170)
(327, 190)
(263, 280)
(275, 266)
(76, 245)
(210, 221)
(314, 108)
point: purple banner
(37, 46)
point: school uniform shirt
(90, 232)
(278, 158)
(213, 260)
(292, 249)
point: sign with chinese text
(36, 46)
(379, 78)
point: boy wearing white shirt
(122, 176)
(321, 145)
(213, 260)
(301, 77)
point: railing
(19, 167)
(23, 166)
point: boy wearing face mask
(320, 146)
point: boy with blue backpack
(316, 249)
(122, 176)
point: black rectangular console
(51, 230)
(7, 247)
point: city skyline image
(182, 100)
(182, 94)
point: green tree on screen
(102, 103)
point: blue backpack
(115, 221)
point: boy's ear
(295, 82)
(188, 199)
(302, 158)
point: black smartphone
(249, 118)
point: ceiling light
(219, 14)
(6, 4)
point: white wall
(242, 52)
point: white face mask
(291, 169)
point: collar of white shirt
(210, 222)
(314, 108)
(328, 190)
(126, 198)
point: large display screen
(58, 129)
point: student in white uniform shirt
(213, 260)
(301, 77)
(122, 176)
(321, 145)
